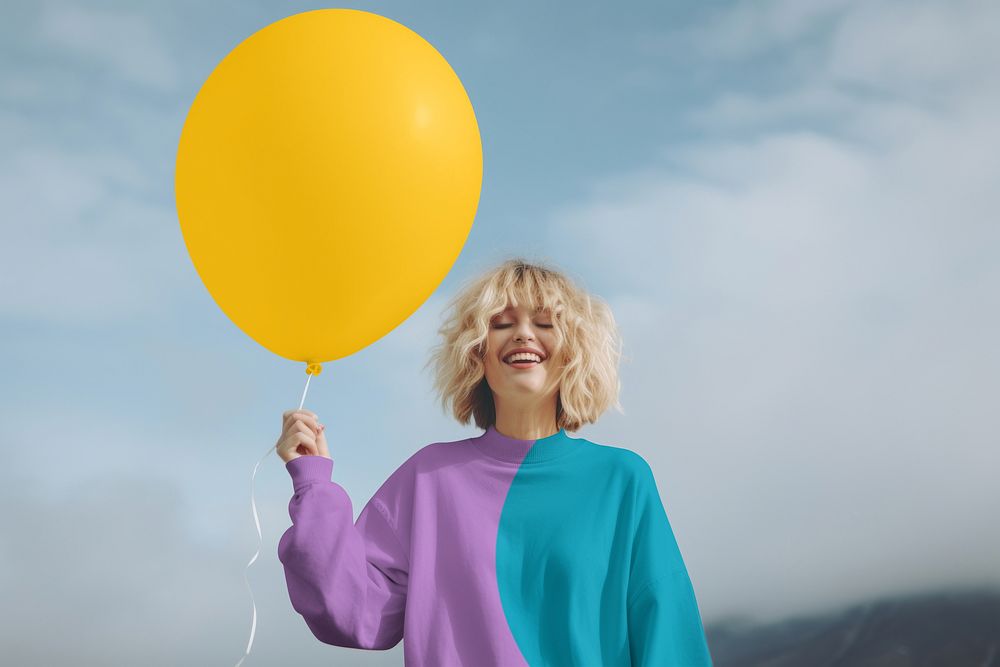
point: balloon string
(253, 506)
(304, 391)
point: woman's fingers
(305, 416)
(304, 440)
(289, 415)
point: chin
(536, 388)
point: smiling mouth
(522, 363)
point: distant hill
(948, 629)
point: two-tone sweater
(496, 551)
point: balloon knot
(314, 369)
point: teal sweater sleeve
(664, 622)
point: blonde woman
(523, 545)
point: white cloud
(813, 383)
(926, 49)
(110, 560)
(742, 30)
(815, 103)
(124, 41)
(82, 244)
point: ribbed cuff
(309, 469)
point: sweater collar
(512, 450)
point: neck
(529, 423)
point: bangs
(531, 287)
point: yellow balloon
(327, 177)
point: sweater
(496, 551)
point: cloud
(125, 42)
(918, 49)
(110, 563)
(741, 30)
(83, 241)
(815, 369)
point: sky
(790, 207)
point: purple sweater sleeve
(348, 580)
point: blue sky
(791, 208)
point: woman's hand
(301, 435)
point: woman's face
(519, 328)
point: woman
(521, 546)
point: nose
(523, 331)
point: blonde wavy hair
(584, 327)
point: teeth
(523, 356)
